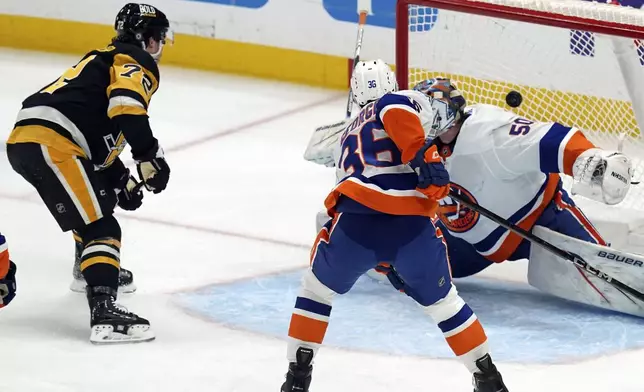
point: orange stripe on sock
(4, 263)
(307, 329)
(468, 339)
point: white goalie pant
(562, 278)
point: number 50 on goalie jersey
(511, 166)
(375, 150)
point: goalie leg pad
(562, 278)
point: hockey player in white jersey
(511, 166)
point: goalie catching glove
(153, 169)
(433, 179)
(602, 175)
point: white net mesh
(595, 11)
(572, 77)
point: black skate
(298, 377)
(112, 323)
(488, 379)
(126, 278)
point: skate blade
(78, 286)
(104, 334)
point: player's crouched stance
(7, 275)
(67, 140)
(382, 210)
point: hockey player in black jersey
(67, 140)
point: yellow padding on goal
(582, 111)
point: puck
(514, 99)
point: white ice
(241, 203)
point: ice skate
(488, 379)
(112, 323)
(298, 377)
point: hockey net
(574, 62)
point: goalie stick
(362, 20)
(569, 256)
(332, 131)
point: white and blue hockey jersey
(509, 165)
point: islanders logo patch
(458, 218)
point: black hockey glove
(116, 174)
(130, 197)
(153, 169)
(8, 286)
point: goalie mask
(448, 103)
(371, 80)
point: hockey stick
(362, 20)
(573, 258)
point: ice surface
(240, 205)
(518, 326)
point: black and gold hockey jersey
(95, 108)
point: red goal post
(575, 62)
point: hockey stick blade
(573, 258)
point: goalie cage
(574, 62)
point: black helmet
(140, 22)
